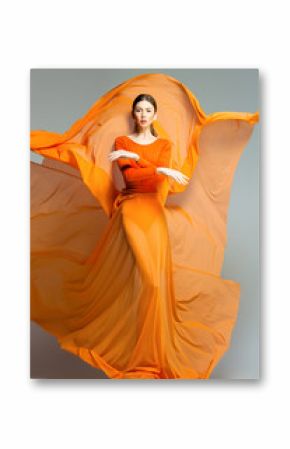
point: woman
(142, 297)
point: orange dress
(125, 262)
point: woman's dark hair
(151, 100)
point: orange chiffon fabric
(125, 262)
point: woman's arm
(123, 162)
(164, 159)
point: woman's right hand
(177, 175)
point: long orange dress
(129, 279)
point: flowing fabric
(125, 262)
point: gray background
(59, 97)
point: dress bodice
(141, 175)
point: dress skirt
(119, 310)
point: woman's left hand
(116, 154)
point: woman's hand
(114, 155)
(177, 175)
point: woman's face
(144, 114)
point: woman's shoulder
(119, 138)
(167, 143)
(120, 142)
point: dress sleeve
(123, 162)
(164, 159)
